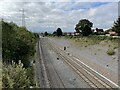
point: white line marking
(97, 72)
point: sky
(41, 16)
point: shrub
(15, 76)
(110, 52)
(31, 74)
(17, 43)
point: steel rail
(48, 73)
(100, 83)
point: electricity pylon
(23, 17)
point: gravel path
(94, 56)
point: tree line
(58, 33)
(84, 28)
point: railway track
(47, 79)
(94, 80)
(43, 78)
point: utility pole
(23, 17)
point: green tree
(84, 26)
(54, 33)
(46, 33)
(59, 32)
(17, 44)
(8, 42)
(86, 30)
(116, 26)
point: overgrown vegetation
(111, 43)
(110, 51)
(15, 76)
(91, 40)
(116, 26)
(18, 44)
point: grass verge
(92, 40)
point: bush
(31, 74)
(110, 52)
(15, 76)
(17, 44)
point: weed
(110, 51)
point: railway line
(48, 80)
(93, 79)
(41, 74)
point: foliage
(6, 37)
(31, 74)
(86, 30)
(93, 39)
(65, 34)
(0, 36)
(84, 26)
(36, 36)
(17, 44)
(110, 51)
(15, 76)
(116, 26)
(59, 32)
(54, 33)
(46, 33)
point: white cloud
(105, 15)
(42, 16)
(92, 12)
(60, 0)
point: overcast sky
(48, 16)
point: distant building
(109, 32)
(113, 33)
(72, 33)
(98, 31)
(77, 34)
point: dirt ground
(94, 56)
